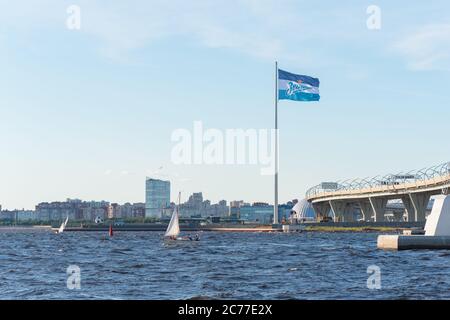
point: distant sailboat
(63, 225)
(173, 229)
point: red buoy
(111, 230)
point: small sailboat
(173, 229)
(63, 225)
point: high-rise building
(157, 197)
(259, 212)
(196, 200)
(223, 203)
(195, 206)
(235, 206)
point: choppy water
(138, 265)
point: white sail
(63, 225)
(173, 229)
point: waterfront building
(25, 215)
(217, 210)
(115, 211)
(257, 213)
(57, 211)
(87, 210)
(17, 216)
(222, 203)
(75, 209)
(196, 200)
(302, 211)
(128, 210)
(262, 213)
(138, 210)
(195, 206)
(235, 209)
(157, 197)
(94, 210)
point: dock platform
(401, 242)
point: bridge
(371, 195)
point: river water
(139, 265)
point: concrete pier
(413, 231)
(400, 242)
(293, 227)
(437, 229)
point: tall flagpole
(275, 206)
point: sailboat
(173, 229)
(63, 225)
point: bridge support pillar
(366, 209)
(420, 203)
(321, 209)
(338, 208)
(398, 216)
(410, 211)
(378, 206)
(348, 213)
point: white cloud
(264, 29)
(253, 27)
(246, 26)
(427, 49)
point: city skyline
(89, 113)
(184, 199)
(194, 207)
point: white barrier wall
(438, 222)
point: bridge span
(371, 195)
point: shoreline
(246, 229)
(367, 229)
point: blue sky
(89, 113)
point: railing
(422, 178)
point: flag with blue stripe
(297, 87)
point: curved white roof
(304, 209)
